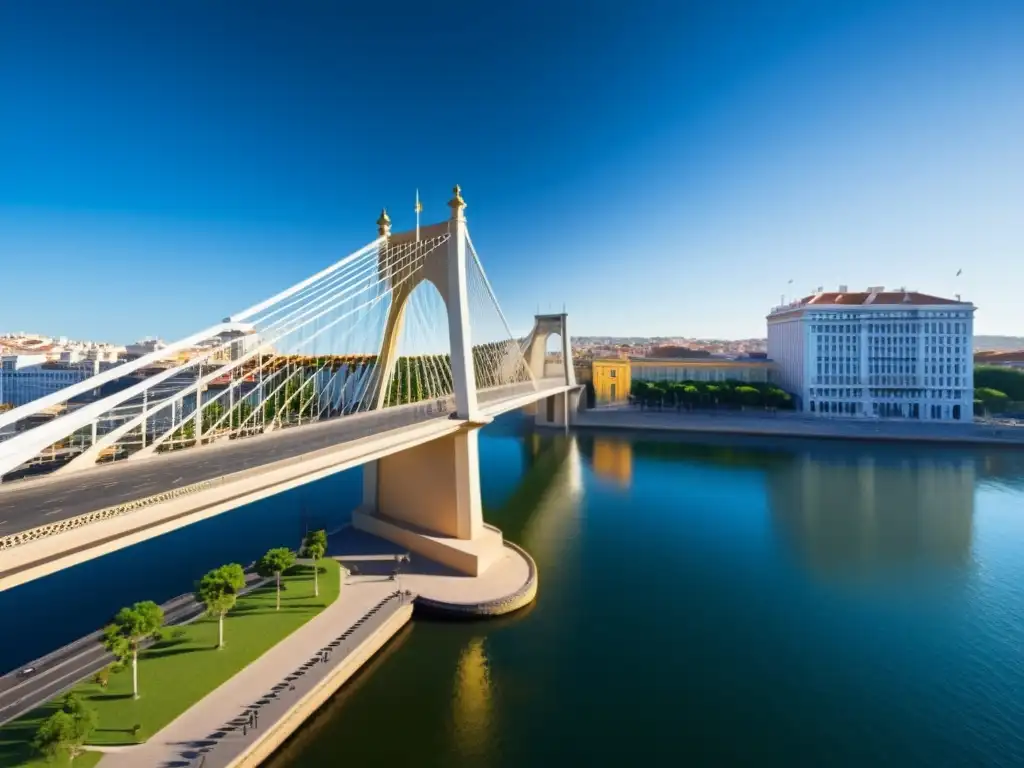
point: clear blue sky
(659, 167)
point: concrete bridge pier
(427, 499)
(558, 410)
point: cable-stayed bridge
(391, 357)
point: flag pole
(419, 208)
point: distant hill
(998, 343)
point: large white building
(24, 378)
(876, 353)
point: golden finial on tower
(384, 223)
(456, 203)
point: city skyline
(674, 186)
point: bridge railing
(307, 354)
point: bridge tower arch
(536, 344)
(445, 268)
(427, 498)
(555, 410)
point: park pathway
(211, 732)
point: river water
(713, 602)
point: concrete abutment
(427, 499)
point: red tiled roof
(885, 297)
(994, 356)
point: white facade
(22, 381)
(881, 354)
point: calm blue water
(723, 603)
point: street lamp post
(399, 560)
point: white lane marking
(54, 512)
(177, 480)
(3, 522)
(59, 682)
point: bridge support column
(558, 410)
(427, 499)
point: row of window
(883, 330)
(935, 412)
(883, 392)
(14, 376)
(901, 315)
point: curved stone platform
(508, 585)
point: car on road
(27, 672)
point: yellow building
(613, 377)
(611, 380)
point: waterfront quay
(783, 424)
(243, 721)
(246, 717)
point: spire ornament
(457, 204)
(384, 223)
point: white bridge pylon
(325, 348)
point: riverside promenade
(242, 722)
(270, 689)
(797, 425)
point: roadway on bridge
(30, 503)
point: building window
(611, 373)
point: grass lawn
(180, 670)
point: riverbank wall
(286, 724)
(791, 426)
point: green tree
(123, 636)
(655, 393)
(776, 398)
(314, 548)
(993, 400)
(275, 562)
(102, 678)
(748, 395)
(218, 590)
(1009, 381)
(212, 413)
(241, 412)
(65, 732)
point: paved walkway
(210, 733)
(799, 425)
(374, 557)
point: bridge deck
(30, 503)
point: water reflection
(866, 517)
(613, 460)
(473, 703)
(554, 520)
(716, 526)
